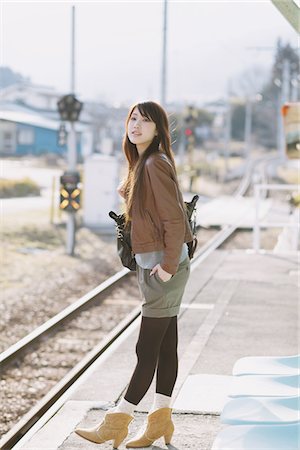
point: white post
(256, 228)
(295, 231)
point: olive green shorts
(162, 298)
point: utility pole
(294, 89)
(72, 154)
(248, 127)
(286, 75)
(164, 56)
(73, 51)
(227, 136)
(72, 151)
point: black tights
(156, 347)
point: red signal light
(188, 132)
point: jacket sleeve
(169, 209)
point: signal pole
(69, 109)
(72, 150)
(164, 57)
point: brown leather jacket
(166, 225)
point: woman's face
(140, 130)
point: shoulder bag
(124, 241)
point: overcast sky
(119, 45)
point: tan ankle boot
(114, 426)
(159, 424)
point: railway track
(95, 297)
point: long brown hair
(133, 185)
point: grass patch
(18, 188)
(44, 237)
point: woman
(159, 233)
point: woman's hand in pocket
(163, 275)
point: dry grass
(18, 188)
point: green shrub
(18, 188)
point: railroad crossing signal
(190, 140)
(70, 192)
(188, 132)
(190, 122)
(69, 108)
(190, 119)
(69, 199)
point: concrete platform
(236, 304)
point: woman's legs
(167, 367)
(156, 346)
(155, 342)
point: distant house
(42, 99)
(29, 121)
(25, 132)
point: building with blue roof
(23, 131)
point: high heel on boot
(169, 434)
(159, 424)
(113, 427)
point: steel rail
(20, 347)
